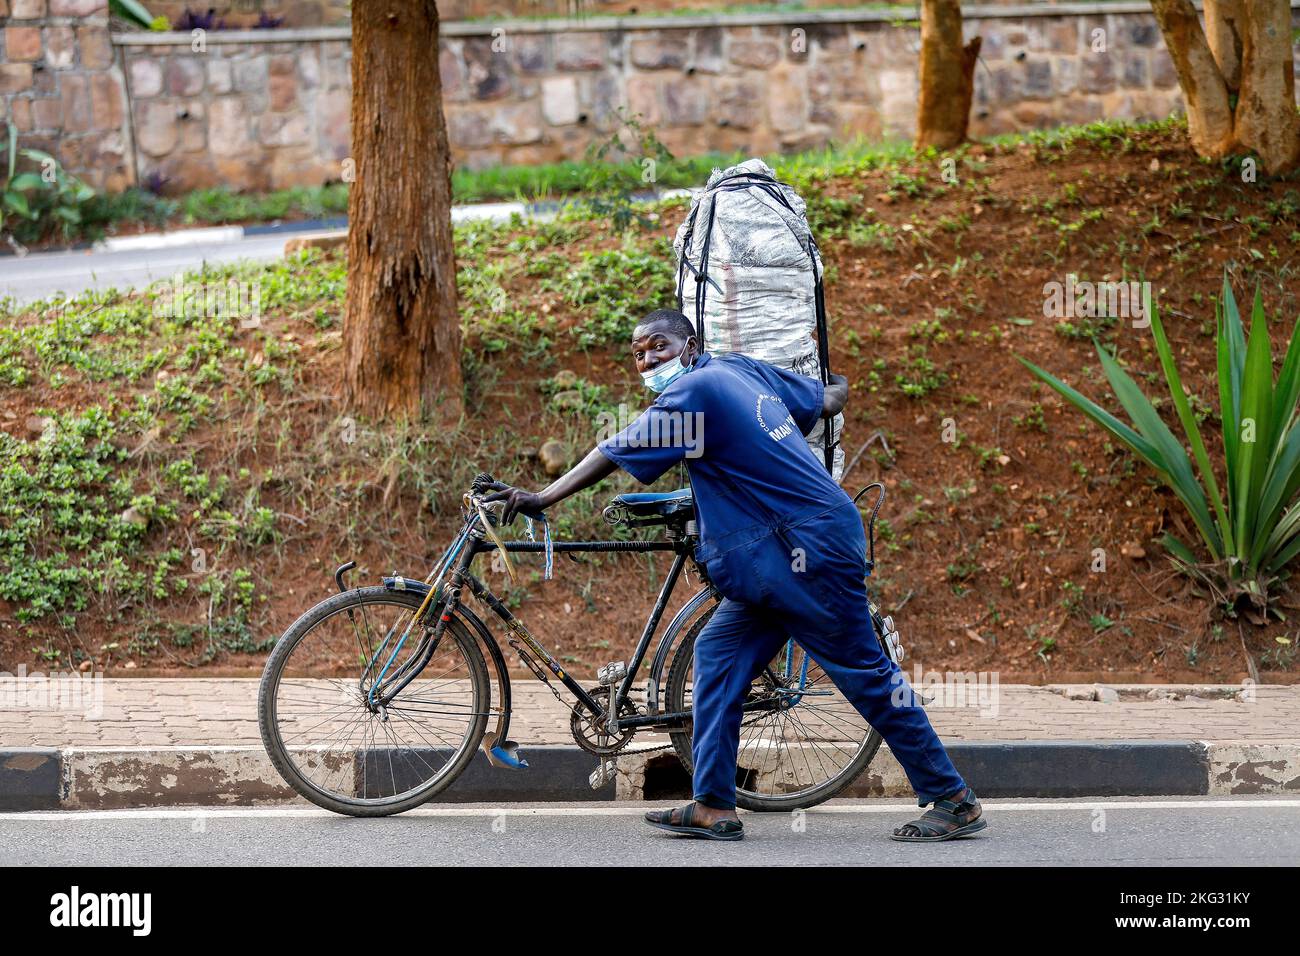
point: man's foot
(698, 820)
(951, 818)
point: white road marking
(488, 810)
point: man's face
(654, 343)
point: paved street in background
(1163, 832)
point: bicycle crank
(591, 732)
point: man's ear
(692, 349)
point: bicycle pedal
(504, 755)
(604, 774)
(611, 673)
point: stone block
(221, 77)
(15, 77)
(560, 100)
(76, 104)
(1134, 69)
(1038, 79)
(107, 101)
(47, 114)
(487, 71)
(707, 51)
(643, 99)
(517, 123)
(283, 129)
(21, 115)
(580, 51)
(531, 52)
(250, 75)
(666, 50)
(60, 47)
(787, 100)
(283, 92)
(96, 47)
(1098, 73)
(738, 103)
(451, 74)
(22, 44)
(686, 102)
(754, 54)
(333, 122)
(78, 8)
(184, 76)
(228, 128)
(146, 77)
(155, 127)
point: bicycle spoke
(346, 751)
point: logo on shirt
(777, 414)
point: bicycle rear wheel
(791, 757)
(334, 746)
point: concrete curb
(119, 778)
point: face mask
(658, 378)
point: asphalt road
(1189, 831)
(45, 275)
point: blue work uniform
(785, 547)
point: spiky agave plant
(1253, 532)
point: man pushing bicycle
(784, 546)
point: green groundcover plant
(1253, 531)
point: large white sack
(762, 275)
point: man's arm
(835, 395)
(584, 474)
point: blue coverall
(785, 547)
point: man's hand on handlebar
(517, 501)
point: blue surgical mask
(659, 377)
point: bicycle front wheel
(801, 741)
(326, 735)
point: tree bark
(401, 330)
(1266, 119)
(947, 76)
(1209, 118)
(1223, 29)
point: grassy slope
(201, 479)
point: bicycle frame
(455, 568)
(472, 541)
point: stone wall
(61, 86)
(248, 115)
(270, 109)
(315, 13)
(293, 13)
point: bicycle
(360, 725)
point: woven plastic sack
(749, 274)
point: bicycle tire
(374, 806)
(675, 702)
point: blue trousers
(807, 582)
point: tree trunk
(1209, 118)
(947, 76)
(1223, 29)
(1266, 110)
(401, 330)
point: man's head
(662, 336)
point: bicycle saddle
(662, 504)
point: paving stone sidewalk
(223, 712)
